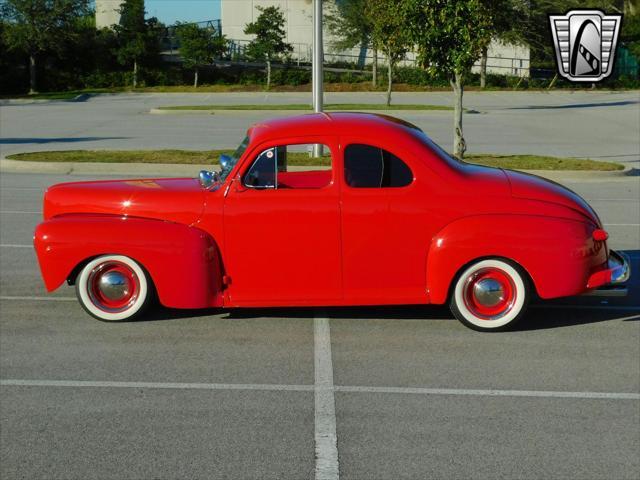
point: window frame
(329, 142)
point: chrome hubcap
(488, 292)
(114, 285)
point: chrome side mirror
(208, 178)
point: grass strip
(190, 157)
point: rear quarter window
(367, 166)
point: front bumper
(608, 282)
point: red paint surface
(317, 241)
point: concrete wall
(107, 13)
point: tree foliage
(269, 42)
(388, 33)
(350, 24)
(138, 38)
(199, 46)
(449, 36)
(33, 27)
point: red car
(389, 218)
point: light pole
(316, 66)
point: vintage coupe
(391, 219)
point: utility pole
(316, 66)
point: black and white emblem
(585, 43)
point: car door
(282, 228)
(384, 241)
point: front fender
(183, 262)
(558, 254)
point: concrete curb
(157, 111)
(172, 169)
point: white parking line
(39, 299)
(491, 393)
(15, 245)
(325, 408)
(314, 388)
(157, 385)
(621, 224)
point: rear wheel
(490, 295)
(113, 288)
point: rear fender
(184, 262)
(558, 254)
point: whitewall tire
(490, 295)
(113, 288)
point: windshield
(228, 166)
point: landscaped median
(297, 107)
(210, 157)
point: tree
(36, 26)
(350, 23)
(270, 35)
(138, 39)
(449, 36)
(389, 33)
(199, 46)
(509, 25)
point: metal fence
(170, 43)
(301, 55)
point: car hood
(178, 200)
(532, 187)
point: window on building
(366, 166)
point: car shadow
(564, 312)
(39, 141)
(539, 317)
(577, 105)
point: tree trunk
(483, 67)
(389, 79)
(195, 79)
(135, 73)
(268, 74)
(32, 75)
(459, 145)
(374, 68)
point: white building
(235, 14)
(107, 13)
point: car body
(392, 220)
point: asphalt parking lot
(404, 392)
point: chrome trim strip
(607, 292)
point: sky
(171, 11)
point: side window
(293, 166)
(262, 173)
(366, 166)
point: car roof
(365, 124)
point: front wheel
(490, 295)
(113, 288)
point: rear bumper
(608, 282)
